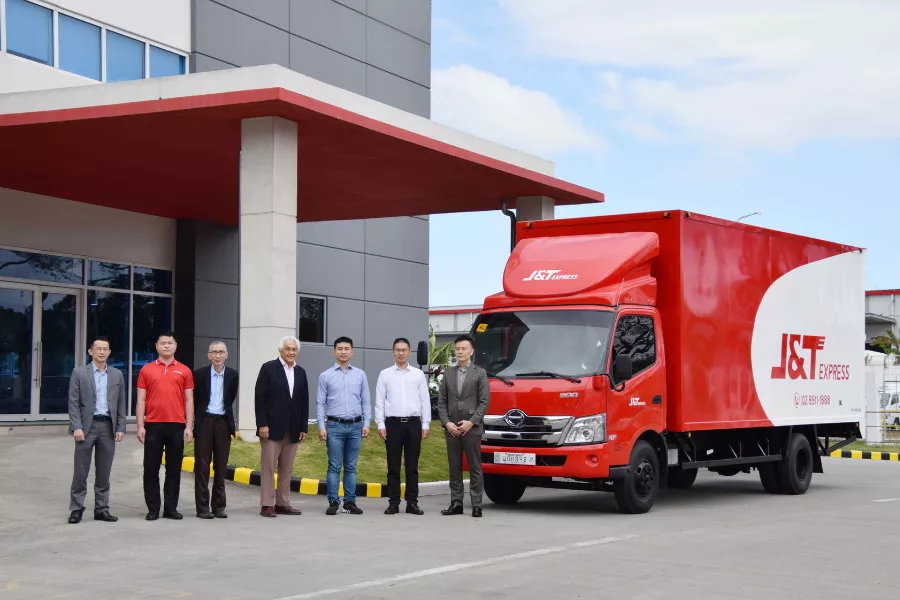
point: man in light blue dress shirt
(343, 412)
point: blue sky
(692, 105)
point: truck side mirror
(422, 353)
(623, 369)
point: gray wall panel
(398, 92)
(396, 281)
(238, 39)
(398, 53)
(345, 317)
(330, 272)
(216, 310)
(218, 257)
(330, 24)
(410, 16)
(400, 237)
(349, 235)
(204, 64)
(358, 5)
(273, 12)
(328, 66)
(385, 323)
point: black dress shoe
(205, 515)
(220, 514)
(105, 516)
(455, 509)
(413, 509)
(152, 515)
(173, 514)
(75, 517)
(392, 509)
(476, 512)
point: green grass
(873, 447)
(312, 457)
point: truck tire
(503, 490)
(768, 475)
(796, 468)
(681, 479)
(636, 493)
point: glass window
(108, 315)
(29, 31)
(124, 58)
(311, 328)
(567, 342)
(152, 314)
(79, 47)
(110, 275)
(16, 355)
(164, 63)
(636, 336)
(40, 267)
(58, 327)
(152, 280)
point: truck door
(641, 403)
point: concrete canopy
(170, 147)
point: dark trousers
(470, 444)
(404, 438)
(101, 442)
(212, 442)
(162, 438)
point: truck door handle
(657, 399)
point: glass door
(39, 334)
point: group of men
(176, 405)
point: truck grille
(516, 429)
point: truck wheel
(637, 492)
(503, 490)
(796, 468)
(768, 475)
(680, 478)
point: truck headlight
(587, 430)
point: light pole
(750, 215)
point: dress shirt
(216, 404)
(402, 393)
(101, 387)
(289, 373)
(343, 395)
(461, 375)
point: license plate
(507, 458)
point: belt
(102, 418)
(215, 415)
(345, 421)
(402, 419)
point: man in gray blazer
(97, 409)
(462, 403)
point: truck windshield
(564, 342)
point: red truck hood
(546, 397)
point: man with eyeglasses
(403, 417)
(215, 389)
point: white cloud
(491, 107)
(767, 74)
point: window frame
(656, 346)
(4, 43)
(324, 300)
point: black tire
(796, 468)
(503, 490)
(681, 479)
(637, 492)
(768, 475)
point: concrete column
(268, 232)
(534, 208)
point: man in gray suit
(462, 403)
(97, 408)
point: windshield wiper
(549, 374)
(503, 379)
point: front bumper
(577, 462)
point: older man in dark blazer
(462, 403)
(282, 413)
(215, 389)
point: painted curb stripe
(866, 454)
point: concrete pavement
(724, 538)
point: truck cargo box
(760, 327)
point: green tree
(438, 355)
(888, 343)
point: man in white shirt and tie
(403, 416)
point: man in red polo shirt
(165, 420)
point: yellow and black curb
(301, 485)
(866, 455)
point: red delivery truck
(626, 352)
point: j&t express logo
(549, 275)
(800, 359)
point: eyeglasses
(218, 352)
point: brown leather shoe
(267, 511)
(286, 510)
